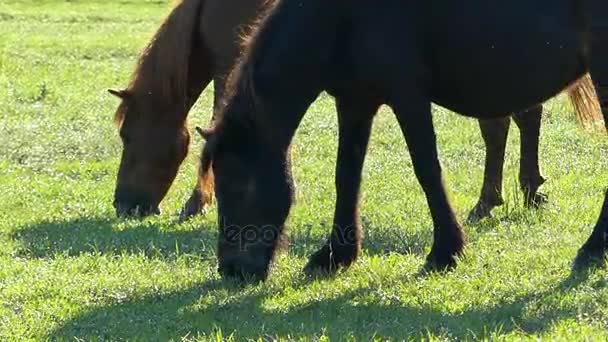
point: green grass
(70, 270)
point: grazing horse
(199, 42)
(368, 53)
(194, 46)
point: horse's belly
(499, 86)
(500, 63)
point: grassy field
(70, 270)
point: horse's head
(254, 191)
(154, 146)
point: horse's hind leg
(494, 133)
(603, 97)
(601, 87)
(530, 178)
(414, 116)
(355, 121)
(599, 62)
(593, 252)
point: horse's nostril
(146, 210)
(130, 202)
(125, 208)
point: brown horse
(199, 42)
(194, 46)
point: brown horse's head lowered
(152, 114)
(153, 149)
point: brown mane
(163, 66)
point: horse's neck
(300, 33)
(291, 54)
(174, 68)
(159, 106)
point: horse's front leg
(202, 194)
(201, 197)
(593, 252)
(342, 249)
(414, 116)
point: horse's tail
(167, 65)
(585, 102)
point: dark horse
(199, 42)
(368, 53)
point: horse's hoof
(445, 252)
(328, 262)
(193, 207)
(537, 200)
(321, 263)
(589, 258)
(440, 263)
(479, 212)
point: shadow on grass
(108, 236)
(113, 236)
(202, 309)
(198, 312)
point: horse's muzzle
(127, 205)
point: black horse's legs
(599, 64)
(202, 195)
(355, 121)
(530, 178)
(593, 252)
(494, 133)
(414, 116)
(603, 97)
(602, 93)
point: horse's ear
(121, 94)
(210, 143)
(206, 133)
